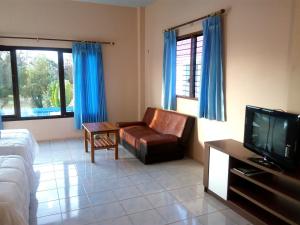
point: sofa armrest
(127, 124)
(158, 139)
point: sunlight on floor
(73, 191)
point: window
(35, 83)
(68, 67)
(188, 65)
(38, 83)
(6, 87)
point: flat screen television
(273, 134)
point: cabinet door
(218, 172)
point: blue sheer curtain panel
(211, 99)
(169, 71)
(89, 88)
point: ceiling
(129, 3)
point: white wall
(48, 129)
(294, 60)
(257, 47)
(261, 55)
(82, 21)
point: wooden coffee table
(103, 141)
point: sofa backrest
(168, 122)
(148, 116)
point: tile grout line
(132, 167)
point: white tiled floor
(73, 191)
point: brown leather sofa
(161, 135)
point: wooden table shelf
(264, 200)
(274, 185)
(103, 142)
(259, 217)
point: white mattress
(20, 142)
(14, 191)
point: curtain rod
(56, 39)
(220, 12)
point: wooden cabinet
(268, 197)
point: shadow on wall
(206, 130)
(196, 146)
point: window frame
(192, 78)
(15, 83)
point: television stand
(271, 196)
(265, 162)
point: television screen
(269, 133)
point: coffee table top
(100, 127)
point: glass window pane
(183, 62)
(6, 89)
(68, 72)
(38, 83)
(198, 64)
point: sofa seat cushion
(157, 139)
(133, 134)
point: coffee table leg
(92, 149)
(107, 135)
(85, 140)
(116, 145)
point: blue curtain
(169, 71)
(89, 88)
(211, 99)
